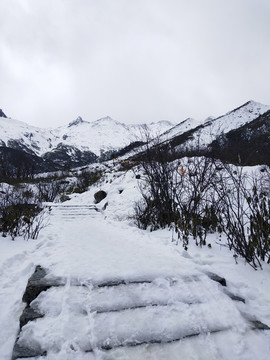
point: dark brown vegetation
(20, 213)
(209, 196)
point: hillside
(82, 142)
(93, 286)
(249, 144)
(95, 136)
(242, 132)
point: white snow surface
(164, 296)
(108, 134)
(230, 121)
(96, 136)
(180, 128)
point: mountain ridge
(95, 136)
(81, 142)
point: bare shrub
(49, 191)
(86, 178)
(20, 214)
(178, 195)
(195, 200)
(205, 195)
(245, 215)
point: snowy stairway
(87, 317)
(72, 212)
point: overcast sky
(134, 60)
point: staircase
(72, 212)
(140, 317)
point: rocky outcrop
(2, 114)
(67, 157)
(100, 195)
(78, 121)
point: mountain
(242, 132)
(218, 136)
(83, 135)
(249, 144)
(21, 165)
(78, 143)
(204, 134)
(180, 128)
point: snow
(95, 136)
(230, 121)
(11, 129)
(16, 267)
(163, 294)
(180, 128)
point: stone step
(124, 313)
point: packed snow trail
(108, 292)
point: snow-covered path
(114, 293)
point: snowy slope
(157, 296)
(36, 139)
(191, 132)
(107, 134)
(223, 124)
(238, 117)
(154, 128)
(180, 128)
(103, 134)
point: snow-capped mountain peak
(180, 128)
(105, 118)
(225, 123)
(104, 136)
(106, 121)
(162, 122)
(77, 121)
(240, 116)
(99, 136)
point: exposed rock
(2, 114)
(66, 156)
(64, 198)
(39, 274)
(35, 285)
(105, 206)
(29, 314)
(39, 282)
(255, 324)
(258, 325)
(78, 121)
(217, 278)
(21, 352)
(100, 195)
(234, 297)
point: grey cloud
(135, 60)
